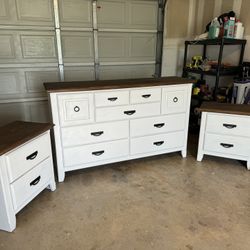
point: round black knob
(175, 99)
(76, 109)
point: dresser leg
(248, 165)
(184, 153)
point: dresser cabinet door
(174, 100)
(76, 109)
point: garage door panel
(79, 73)
(77, 46)
(126, 71)
(7, 46)
(4, 11)
(11, 82)
(75, 13)
(144, 14)
(12, 112)
(111, 13)
(27, 47)
(126, 47)
(38, 46)
(30, 10)
(36, 77)
(127, 14)
(143, 46)
(113, 45)
(26, 12)
(37, 111)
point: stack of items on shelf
(226, 25)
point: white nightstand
(26, 167)
(225, 131)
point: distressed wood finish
(113, 84)
(226, 108)
(17, 133)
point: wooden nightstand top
(226, 108)
(17, 133)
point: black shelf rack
(219, 70)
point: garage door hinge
(95, 29)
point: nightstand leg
(248, 165)
(184, 153)
(199, 156)
(52, 185)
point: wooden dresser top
(113, 84)
(227, 108)
(17, 133)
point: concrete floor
(161, 203)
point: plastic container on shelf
(238, 30)
(214, 29)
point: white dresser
(26, 167)
(225, 131)
(101, 122)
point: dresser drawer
(32, 183)
(127, 112)
(111, 98)
(27, 156)
(156, 125)
(76, 109)
(95, 152)
(79, 135)
(174, 100)
(145, 95)
(227, 144)
(228, 124)
(157, 142)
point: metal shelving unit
(219, 70)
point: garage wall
(195, 15)
(46, 40)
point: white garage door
(56, 40)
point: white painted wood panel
(127, 112)
(157, 125)
(87, 134)
(95, 152)
(157, 142)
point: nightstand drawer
(111, 98)
(228, 124)
(28, 186)
(156, 125)
(127, 112)
(145, 95)
(160, 142)
(95, 152)
(230, 145)
(95, 133)
(27, 156)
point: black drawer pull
(32, 156)
(175, 99)
(76, 108)
(98, 153)
(35, 182)
(158, 143)
(146, 96)
(159, 125)
(229, 126)
(97, 133)
(129, 112)
(112, 99)
(226, 145)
